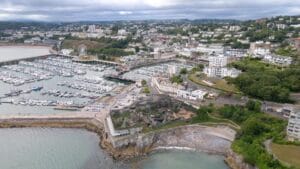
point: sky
(104, 10)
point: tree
(253, 105)
(267, 82)
(202, 113)
(200, 67)
(183, 71)
(144, 82)
(253, 127)
(176, 79)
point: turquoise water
(45, 148)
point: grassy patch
(220, 84)
(75, 43)
(166, 126)
(289, 154)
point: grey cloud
(75, 10)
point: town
(138, 77)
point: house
(259, 48)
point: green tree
(176, 79)
(144, 82)
(253, 105)
(183, 71)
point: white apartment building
(221, 72)
(213, 71)
(278, 60)
(92, 28)
(217, 61)
(293, 128)
(281, 26)
(259, 48)
(234, 28)
(163, 85)
(210, 49)
(122, 32)
(236, 53)
(217, 68)
(191, 95)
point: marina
(54, 83)
(58, 83)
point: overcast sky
(99, 10)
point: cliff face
(215, 140)
(197, 137)
(235, 161)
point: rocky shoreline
(213, 140)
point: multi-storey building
(278, 60)
(293, 128)
(217, 61)
(217, 67)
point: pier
(16, 61)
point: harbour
(56, 91)
(55, 82)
